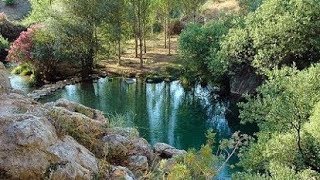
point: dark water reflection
(162, 112)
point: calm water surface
(161, 112)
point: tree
(91, 14)
(141, 14)
(281, 109)
(198, 48)
(118, 22)
(279, 33)
(191, 7)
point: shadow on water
(161, 112)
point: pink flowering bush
(20, 50)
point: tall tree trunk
(136, 45)
(119, 44)
(169, 37)
(144, 38)
(165, 33)
(135, 36)
(145, 45)
(119, 52)
(140, 34)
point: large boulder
(80, 162)
(4, 80)
(32, 149)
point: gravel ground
(17, 11)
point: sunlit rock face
(31, 148)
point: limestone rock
(126, 132)
(117, 145)
(167, 151)
(138, 164)
(80, 159)
(31, 149)
(120, 173)
(140, 146)
(75, 107)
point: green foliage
(9, 2)
(284, 111)
(4, 43)
(278, 33)
(42, 11)
(198, 47)
(285, 100)
(250, 5)
(203, 164)
(23, 69)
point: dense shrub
(36, 47)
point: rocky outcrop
(31, 149)
(66, 140)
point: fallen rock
(166, 151)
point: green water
(161, 112)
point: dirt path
(156, 60)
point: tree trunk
(136, 45)
(169, 37)
(119, 52)
(135, 37)
(145, 45)
(140, 35)
(165, 33)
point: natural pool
(162, 112)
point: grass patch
(23, 70)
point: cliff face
(66, 140)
